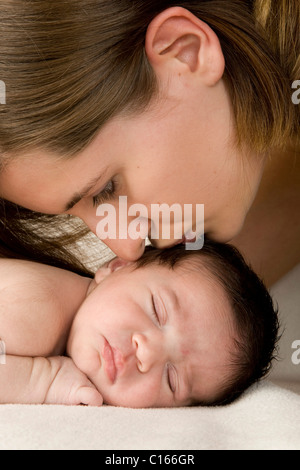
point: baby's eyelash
(155, 314)
(171, 377)
(106, 194)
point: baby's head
(175, 328)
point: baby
(176, 328)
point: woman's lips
(109, 361)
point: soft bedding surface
(266, 417)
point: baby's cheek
(185, 351)
(139, 391)
(87, 359)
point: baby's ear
(118, 263)
(110, 267)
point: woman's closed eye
(106, 194)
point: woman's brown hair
(70, 66)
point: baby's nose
(148, 352)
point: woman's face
(179, 151)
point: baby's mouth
(109, 361)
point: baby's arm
(56, 380)
(37, 307)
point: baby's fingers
(89, 396)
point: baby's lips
(109, 362)
(119, 359)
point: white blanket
(266, 417)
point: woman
(161, 102)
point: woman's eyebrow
(85, 191)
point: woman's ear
(177, 38)
(110, 267)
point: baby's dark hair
(254, 313)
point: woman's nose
(130, 240)
(128, 250)
(127, 242)
(148, 353)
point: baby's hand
(70, 386)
